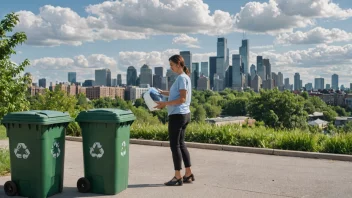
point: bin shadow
(145, 185)
(73, 192)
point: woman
(179, 116)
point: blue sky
(311, 37)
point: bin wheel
(10, 188)
(83, 185)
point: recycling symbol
(55, 150)
(123, 149)
(21, 151)
(97, 146)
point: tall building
(228, 77)
(328, 86)
(319, 83)
(114, 82)
(236, 71)
(164, 83)
(244, 52)
(212, 70)
(256, 82)
(253, 71)
(204, 69)
(203, 83)
(287, 84)
(222, 62)
(158, 77)
(268, 84)
(195, 74)
(275, 77)
(119, 79)
(131, 76)
(103, 77)
(72, 77)
(171, 77)
(159, 71)
(309, 86)
(350, 86)
(42, 82)
(266, 63)
(146, 75)
(280, 79)
(297, 82)
(88, 83)
(335, 81)
(187, 57)
(261, 68)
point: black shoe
(188, 179)
(174, 181)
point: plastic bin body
(105, 137)
(37, 151)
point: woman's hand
(160, 105)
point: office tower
(187, 57)
(256, 82)
(244, 52)
(158, 77)
(287, 84)
(114, 82)
(335, 81)
(253, 71)
(261, 70)
(275, 78)
(103, 77)
(236, 72)
(146, 75)
(164, 83)
(222, 62)
(297, 82)
(171, 77)
(119, 79)
(195, 74)
(204, 69)
(228, 77)
(319, 83)
(203, 83)
(309, 86)
(159, 71)
(42, 82)
(267, 65)
(212, 70)
(280, 79)
(72, 77)
(328, 86)
(131, 76)
(88, 83)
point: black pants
(177, 128)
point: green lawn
(4, 162)
(2, 132)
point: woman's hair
(178, 59)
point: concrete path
(219, 174)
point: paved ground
(219, 174)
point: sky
(311, 37)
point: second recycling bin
(105, 137)
(37, 152)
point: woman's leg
(184, 151)
(176, 123)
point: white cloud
(317, 35)
(283, 15)
(184, 39)
(262, 47)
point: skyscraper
(72, 76)
(236, 72)
(253, 71)
(267, 65)
(261, 68)
(297, 82)
(187, 57)
(335, 81)
(222, 62)
(103, 77)
(131, 76)
(280, 79)
(204, 69)
(119, 79)
(212, 70)
(158, 77)
(244, 52)
(42, 82)
(146, 75)
(195, 74)
(287, 84)
(319, 83)
(159, 71)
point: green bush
(340, 143)
(73, 129)
(4, 161)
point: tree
(13, 85)
(236, 107)
(199, 114)
(212, 111)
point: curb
(265, 151)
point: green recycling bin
(105, 137)
(37, 152)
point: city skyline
(71, 37)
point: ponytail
(185, 69)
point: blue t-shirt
(182, 82)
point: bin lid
(43, 117)
(106, 115)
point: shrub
(4, 161)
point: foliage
(4, 161)
(13, 85)
(2, 132)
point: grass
(2, 132)
(4, 162)
(261, 137)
